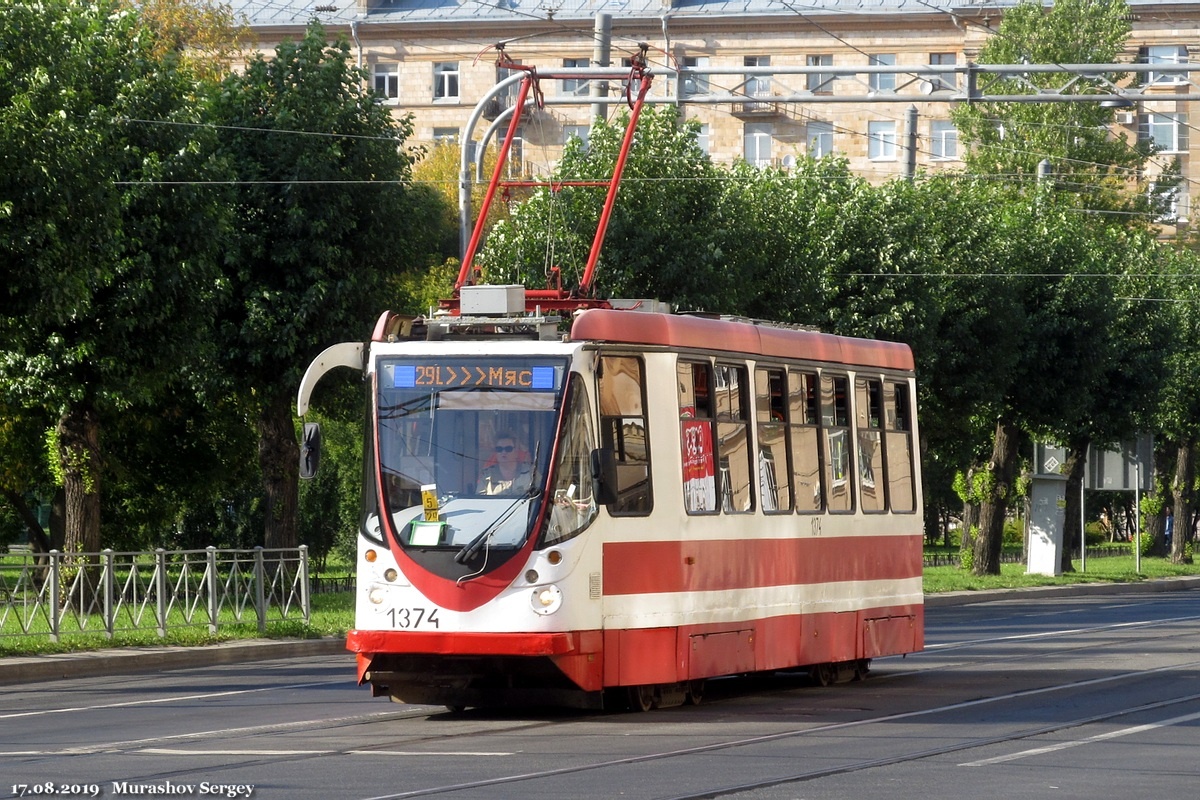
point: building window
(579, 132)
(516, 158)
(757, 143)
(943, 140)
(820, 139)
(445, 80)
(883, 81)
(821, 82)
(881, 140)
(445, 135)
(1168, 132)
(1164, 54)
(944, 81)
(757, 85)
(576, 87)
(387, 81)
(696, 84)
(703, 138)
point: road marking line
(420, 753)
(1100, 737)
(167, 751)
(177, 698)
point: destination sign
(474, 375)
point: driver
(508, 471)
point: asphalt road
(1065, 696)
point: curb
(134, 660)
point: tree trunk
(279, 459)
(1074, 469)
(992, 510)
(38, 538)
(1184, 491)
(79, 455)
(970, 532)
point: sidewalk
(132, 660)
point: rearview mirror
(604, 475)
(310, 450)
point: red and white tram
(692, 497)
(628, 508)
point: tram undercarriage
(459, 682)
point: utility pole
(910, 133)
(601, 52)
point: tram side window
(696, 437)
(774, 473)
(573, 505)
(835, 429)
(733, 439)
(868, 395)
(806, 446)
(623, 429)
(899, 448)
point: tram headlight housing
(546, 600)
(375, 595)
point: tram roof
(748, 338)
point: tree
(1067, 316)
(1012, 139)
(324, 216)
(110, 263)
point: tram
(604, 506)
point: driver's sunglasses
(508, 448)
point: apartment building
(436, 59)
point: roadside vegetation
(198, 247)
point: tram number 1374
(411, 618)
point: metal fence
(952, 559)
(60, 594)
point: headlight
(375, 595)
(546, 600)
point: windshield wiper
(472, 547)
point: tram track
(825, 730)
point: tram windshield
(464, 445)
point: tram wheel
(862, 668)
(822, 674)
(695, 692)
(642, 698)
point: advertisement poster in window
(699, 473)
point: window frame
(819, 82)
(607, 434)
(446, 81)
(882, 82)
(943, 135)
(389, 72)
(882, 140)
(824, 138)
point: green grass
(332, 615)
(1111, 569)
